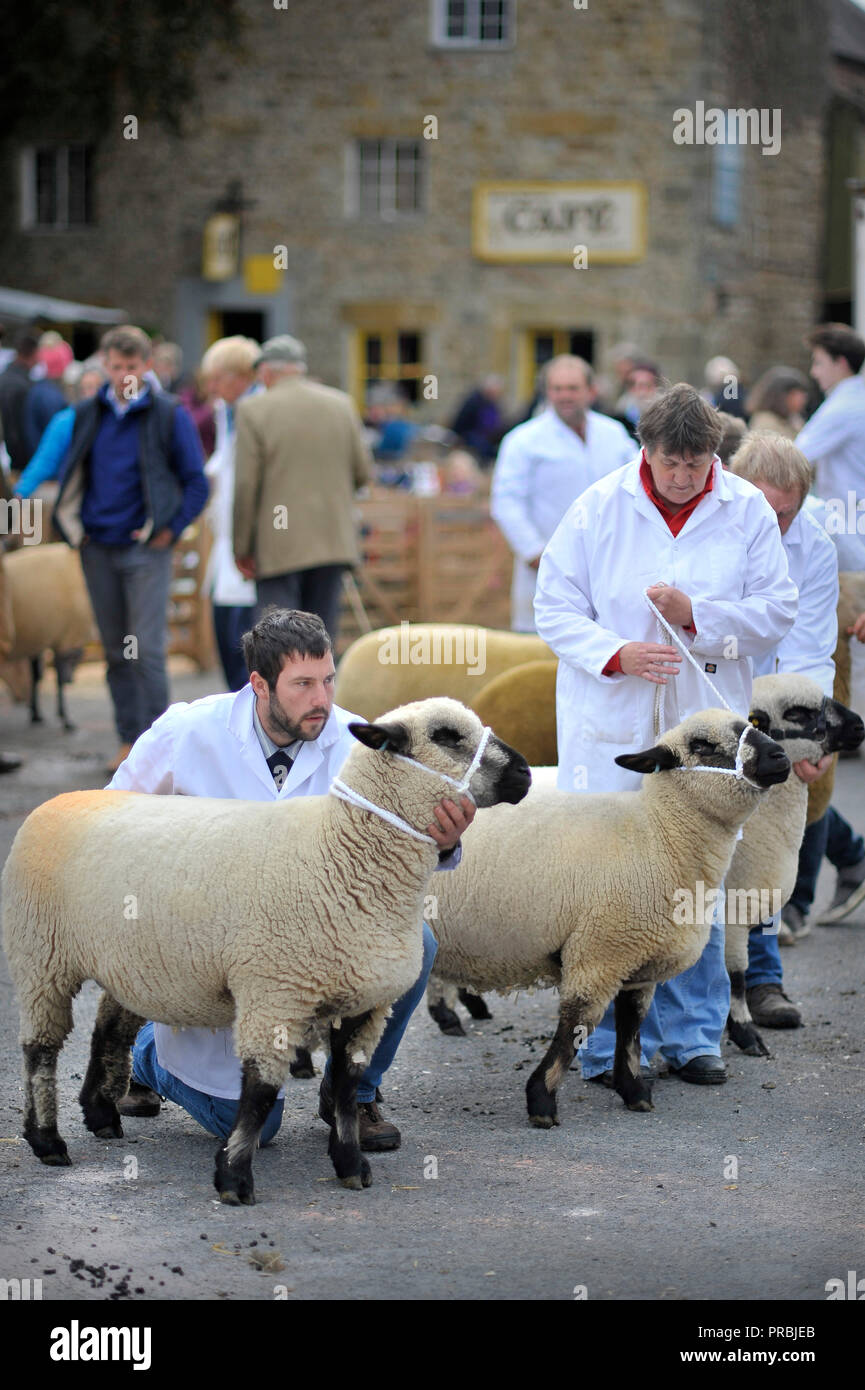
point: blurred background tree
(85, 63)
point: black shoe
(703, 1071)
(377, 1135)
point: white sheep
(586, 891)
(281, 917)
(792, 710)
(45, 607)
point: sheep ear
(393, 738)
(657, 759)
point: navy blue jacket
(142, 470)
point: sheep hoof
(58, 1160)
(447, 1020)
(543, 1121)
(643, 1105)
(112, 1131)
(747, 1039)
(354, 1182)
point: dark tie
(280, 765)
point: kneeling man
(280, 736)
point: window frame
(354, 203)
(389, 366)
(28, 187)
(440, 38)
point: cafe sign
(549, 221)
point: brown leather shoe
(377, 1135)
(140, 1102)
(770, 1008)
(122, 754)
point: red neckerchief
(675, 520)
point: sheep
(46, 606)
(286, 918)
(417, 660)
(520, 700)
(604, 916)
(791, 708)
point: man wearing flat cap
(300, 458)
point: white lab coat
(210, 748)
(832, 441)
(813, 565)
(611, 545)
(223, 581)
(542, 467)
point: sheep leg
(107, 1077)
(475, 1003)
(64, 667)
(35, 678)
(631, 1008)
(740, 1025)
(40, 1115)
(301, 1068)
(347, 1062)
(441, 997)
(233, 1175)
(544, 1081)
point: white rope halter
(347, 793)
(739, 771)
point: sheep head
(714, 738)
(444, 736)
(792, 709)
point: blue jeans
(214, 1113)
(217, 1115)
(229, 625)
(833, 837)
(686, 1018)
(764, 956)
(396, 1024)
(128, 587)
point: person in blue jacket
(133, 481)
(46, 465)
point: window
(474, 23)
(57, 187)
(539, 345)
(387, 180)
(388, 355)
(727, 179)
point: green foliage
(79, 63)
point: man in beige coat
(300, 456)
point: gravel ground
(751, 1190)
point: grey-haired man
(299, 459)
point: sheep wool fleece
(210, 748)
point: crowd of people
(710, 503)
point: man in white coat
(281, 736)
(706, 548)
(228, 368)
(544, 465)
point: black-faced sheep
(584, 891)
(283, 918)
(792, 710)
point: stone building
(432, 190)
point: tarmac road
(752, 1190)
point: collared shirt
(268, 747)
(119, 404)
(834, 441)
